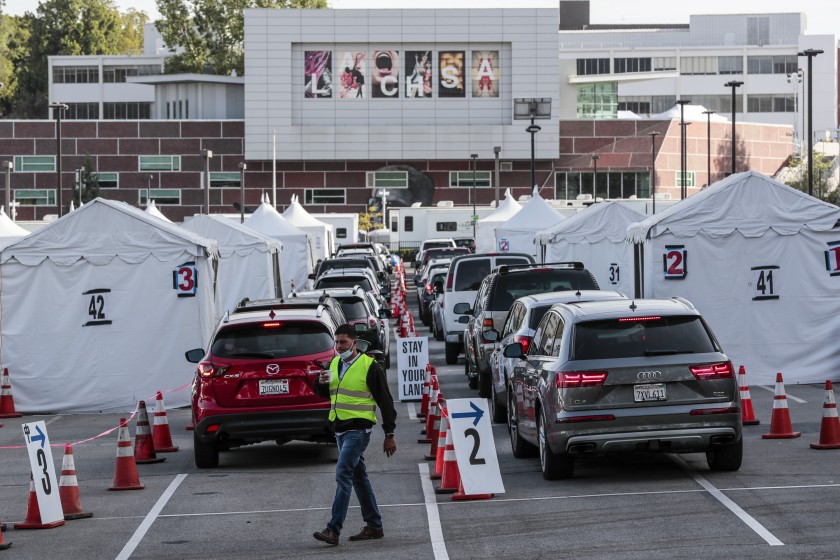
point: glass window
(698, 65)
(256, 341)
(631, 339)
(759, 65)
(758, 30)
(623, 65)
(730, 65)
(408, 223)
(325, 283)
(614, 185)
(601, 185)
(597, 101)
(661, 103)
(82, 111)
(162, 197)
(341, 233)
(446, 226)
(588, 66)
(34, 164)
(483, 179)
(108, 180)
(160, 163)
(224, 179)
(470, 273)
(512, 286)
(35, 197)
(324, 196)
(665, 63)
(387, 179)
(354, 309)
(537, 313)
(689, 178)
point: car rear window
(469, 274)
(353, 309)
(343, 282)
(285, 341)
(436, 244)
(537, 313)
(632, 338)
(343, 263)
(510, 287)
(445, 252)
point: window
(689, 178)
(162, 197)
(698, 65)
(160, 163)
(446, 226)
(127, 110)
(597, 101)
(108, 180)
(625, 65)
(341, 233)
(75, 75)
(768, 103)
(637, 104)
(324, 196)
(661, 103)
(612, 338)
(387, 179)
(483, 179)
(505, 166)
(778, 64)
(730, 65)
(662, 63)
(118, 74)
(224, 179)
(587, 66)
(408, 223)
(470, 273)
(294, 339)
(567, 186)
(35, 197)
(758, 30)
(34, 164)
(81, 111)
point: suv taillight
(578, 379)
(525, 341)
(429, 288)
(723, 370)
(207, 369)
(450, 280)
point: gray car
(623, 376)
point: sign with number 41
(475, 449)
(43, 472)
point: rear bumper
(252, 427)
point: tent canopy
(507, 209)
(296, 261)
(152, 210)
(319, 233)
(297, 215)
(691, 113)
(8, 228)
(598, 222)
(231, 236)
(535, 216)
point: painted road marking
(138, 535)
(432, 513)
(791, 397)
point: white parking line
(749, 520)
(773, 390)
(138, 535)
(435, 531)
(412, 411)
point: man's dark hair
(347, 330)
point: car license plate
(274, 387)
(650, 392)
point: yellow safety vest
(350, 397)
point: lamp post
(795, 78)
(474, 158)
(274, 169)
(242, 168)
(208, 155)
(709, 145)
(595, 158)
(653, 136)
(683, 164)
(734, 84)
(496, 151)
(7, 171)
(385, 193)
(59, 109)
(810, 53)
(79, 182)
(532, 108)
(149, 179)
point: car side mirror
(384, 313)
(462, 308)
(491, 335)
(514, 350)
(464, 319)
(194, 356)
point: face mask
(346, 354)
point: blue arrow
(40, 436)
(475, 415)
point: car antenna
(577, 293)
(633, 305)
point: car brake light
(272, 325)
(525, 341)
(207, 369)
(636, 319)
(578, 379)
(213, 428)
(723, 370)
(487, 323)
(429, 288)
(450, 279)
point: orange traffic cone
(450, 479)
(33, 513)
(144, 446)
(830, 429)
(461, 495)
(68, 488)
(435, 434)
(160, 433)
(430, 416)
(780, 427)
(747, 412)
(3, 545)
(125, 474)
(424, 404)
(441, 446)
(7, 403)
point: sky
(823, 17)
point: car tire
(451, 353)
(438, 334)
(206, 454)
(485, 384)
(553, 466)
(518, 446)
(726, 457)
(498, 412)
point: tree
(369, 220)
(822, 166)
(14, 36)
(88, 181)
(209, 35)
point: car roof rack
(505, 268)
(247, 305)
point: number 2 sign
(674, 262)
(832, 258)
(185, 279)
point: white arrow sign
(475, 449)
(43, 471)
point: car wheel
(439, 335)
(726, 457)
(206, 454)
(520, 448)
(497, 409)
(451, 353)
(553, 466)
(485, 384)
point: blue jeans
(350, 473)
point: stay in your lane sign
(412, 357)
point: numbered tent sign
(674, 262)
(412, 357)
(95, 304)
(504, 245)
(43, 471)
(832, 258)
(615, 274)
(475, 449)
(765, 281)
(185, 279)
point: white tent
(296, 262)
(320, 234)
(249, 262)
(596, 236)
(99, 307)
(517, 234)
(485, 228)
(152, 210)
(9, 230)
(759, 260)
(691, 113)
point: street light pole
(595, 158)
(149, 188)
(653, 136)
(274, 169)
(810, 53)
(683, 145)
(532, 108)
(533, 129)
(79, 182)
(709, 146)
(795, 78)
(59, 109)
(474, 157)
(496, 151)
(208, 155)
(385, 193)
(734, 84)
(242, 168)
(7, 168)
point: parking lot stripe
(789, 396)
(138, 535)
(748, 519)
(432, 513)
(412, 411)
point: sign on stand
(43, 471)
(475, 449)
(412, 357)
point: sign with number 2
(674, 262)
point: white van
(465, 276)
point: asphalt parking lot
(265, 501)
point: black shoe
(327, 535)
(368, 533)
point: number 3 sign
(674, 262)
(185, 279)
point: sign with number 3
(185, 279)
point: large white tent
(596, 236)
(152, 210)
(9, 230)
(485, 228)
(517, 235)
(99, 307)
(249, 262)
(320, 233)
(296, 262)
(759, 260)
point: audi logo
(272, 369)
(648, 375)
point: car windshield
(353, 309)
(510, 287)
(343, 263)
(537, 313)
(343, 282)
(470, 273)
(637, 337)
(286, 341)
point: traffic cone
(435, 433)
(160, 432)
(68, 488)
(430, 416)
(450, 479)
(747, 413)
(830, 429)
(7, 403)
(424, 404)
(144, 446)
(33, 513)
(780, 427)
(125, 474)
(461, 495)
(441, 446)
(3, 545)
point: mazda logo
(648, 375)
(272, 369)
